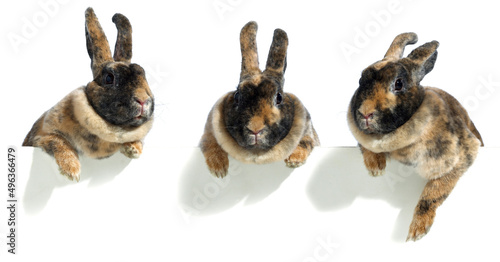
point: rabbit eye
(109, 79)
(398, 85)
(279, 98)
(237, 97)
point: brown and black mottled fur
(111, 113)
(258, 123)
(393, 116)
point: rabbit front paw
(297, 158)
(218, 163)
(420, 226)
(132, 149)
(375, 163)
(69, 166)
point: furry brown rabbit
(392, 116)
(258, 122)
(113, 112)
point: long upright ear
(424, 57)
(397, 47)
(276, 60)
(123, 46)
(97, 44)
(248, 44)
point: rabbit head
(389, 91)
(259, 114)
(119, 92)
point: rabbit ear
(248, 44)
(97, 44)
(276, 60)
(424, 57)
(123, 46)
(398, 45)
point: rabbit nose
(143, 102)
(255, 136)
(256, 132)
(145, 105)
(368, 116)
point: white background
(165, 206)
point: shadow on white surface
(341, 177)
(201, 193)
(45, 177)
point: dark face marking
(251, 101)
(112, 94)
(377, 86)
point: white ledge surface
(166, 206)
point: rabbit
(112, 112)
(258, 122)
(392, 116)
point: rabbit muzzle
(256, 139)
(143, 107)
(367, 121)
